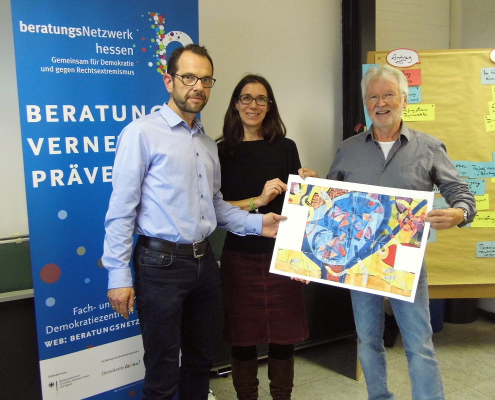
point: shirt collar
(173, 120)
(404, 131)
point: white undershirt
(386, 146)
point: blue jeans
(414, 323)
(176, 301)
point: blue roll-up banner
(85, 69)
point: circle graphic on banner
(62, 214)
(99, 263)
(87, 280)
(50, 302)
(81, 251)
(50, 273)
(161, 40)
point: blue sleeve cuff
(254, 224)
(119, 278)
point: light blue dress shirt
(166, 184)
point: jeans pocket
(151, 258)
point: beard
(184, 106)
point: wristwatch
(465, 213)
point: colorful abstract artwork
(363, 237)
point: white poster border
(292, 230)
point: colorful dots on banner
(132, 393)
(162, 39)
(62, 214)
(87, 280)
(99, 263)
(50, 302)
(50, 273)
(81, 251)
(158, 25)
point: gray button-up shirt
(417, 161)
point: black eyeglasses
(248, 99)
(190, 80)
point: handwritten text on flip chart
(487, 76)
(476, 186)
(484, 219)
(485, 249)
(419, 112)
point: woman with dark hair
(259, 307)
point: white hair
(389, 74)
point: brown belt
(196, 249)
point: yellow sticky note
(484, 219)
(419, 112)
(493, 92)
(491, 107)
(482, 202)
(490, 123)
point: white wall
(412, 24)
(13, 212)
(295, 45)
(478, 24)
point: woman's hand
(307, 173)
(300, 280)
(271, 190)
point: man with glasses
(166, 182)
(391, 154)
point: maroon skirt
(258, 306)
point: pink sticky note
(413, 76)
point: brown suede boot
(245, 378)
(281, 375)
